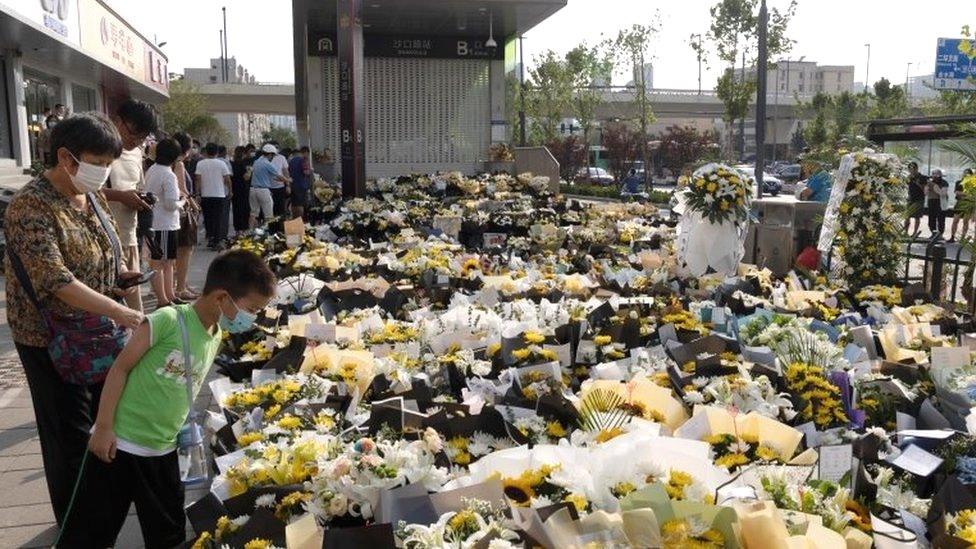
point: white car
(593, 175)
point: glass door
(41, 94)
(6, 132)
(82, 98)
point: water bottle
(192, 454)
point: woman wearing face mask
(64, 240)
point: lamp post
(226, 54)
(867, 68)
(775, 114)
(699, 36)
(522, 93)
(761, 68)
(907, 69)
(221, 37)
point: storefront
(76, 53)
(432, 93)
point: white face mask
(89, 178)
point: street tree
(570, 152)
(949, 102)
(820, 109)
(733, 37)
(186, 110)
(586, 66)
(684, 145)
(632, 47)
(286, 138)
(889, 101)
(623, 147)
(549, 96)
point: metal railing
(935, 263)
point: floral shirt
(57, 244)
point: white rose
(338, 505)
(432, 440)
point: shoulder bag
(83, 345)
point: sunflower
(463, 523)
(555, 429)
(519, 490)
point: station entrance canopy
(406, 85)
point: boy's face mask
(242, 320)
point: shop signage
(157, 69)
(112, 41)
(953, 69)
(58, 16)
(433, 47)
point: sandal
(187, 295)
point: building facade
(793, 77)
(76, 53)
(236, 74)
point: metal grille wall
(422, 115)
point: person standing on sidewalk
(281, 188)
(213, 184)
(149, 395)
(240, 186)
(135, 120)
(300, 169)
(916, 198)
(963, 208)
(65, 244)
(936, 193)
(187, 237)
(264, 176)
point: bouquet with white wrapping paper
(714, 211)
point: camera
(148, 198)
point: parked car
(789, 173)
(595, 176)
(772, 185)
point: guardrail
(936, 266)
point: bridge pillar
(352, 96)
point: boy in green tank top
(144, 401)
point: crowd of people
(117, 191)
(929, 196)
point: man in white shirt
(213, 184)
(281, 189)
(135, 120)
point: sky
(830, 32)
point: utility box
(784, 228)
(774, 248)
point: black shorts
(165, 248)
(916, 208)
(299, 196)
(187, 235)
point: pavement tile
(26, 515)
(18, 442)
(25, 487)
(19, 463)
(17, 418)
(28, 536)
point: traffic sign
(953, 69)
